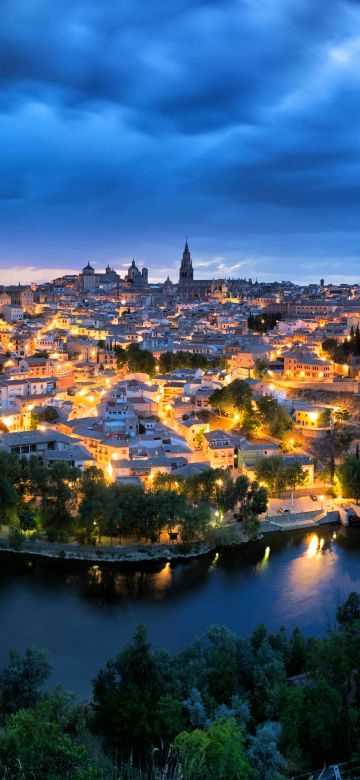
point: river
(84, 614)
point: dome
(88, 269)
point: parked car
(283, 511)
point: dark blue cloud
(125, 125)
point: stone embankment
(144, 553)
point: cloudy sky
(126, 125)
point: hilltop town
(153, 385)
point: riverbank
(175, 551)
(112, 554)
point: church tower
(186, 270)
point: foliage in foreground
(226, 708)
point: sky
(127, 125)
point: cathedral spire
(186, 270)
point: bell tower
(186, 273)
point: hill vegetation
(264, 707)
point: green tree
(41, 747)
(130, 700)
(99, 510)
(21, 681)
(141, 360)
(349, 610)
(349, 477)
(271, 471)
(43, 414)
(195, 522)
(274, 416)
(28, 519)
(234, 400)
(59, 501)
(294, 474)
(8, 499)
(341, 415)
(171, 361)
(261, 369)
(216, 754)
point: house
(219, 449)
(249, 451)
(191, 429)
(312, 419)
(48, 446)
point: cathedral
(199, 288)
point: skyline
(124, 129)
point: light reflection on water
(312, 581)
(84, 614)
(263, 564)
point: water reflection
(313, 546)
(85, 613)
(312, 574)
(263, 564)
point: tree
(171, 361)
(8, 499)
(199, 438)
(265, 757)
(130, 699)
(270, 470)
(294, 474)
(195, 522)
(322, 729)
(28, 519)
(121, 356)
(264, 321)
(43, 746)
(234, 400)
(261, 369)
(99, 509)
(60, 498)
(324, 418)
(215, 754)
(141, 360)
(274, 416)
(44, 414)
(22, 680)
(333, 350)
(332, 467)
(341, 415)
(349, 610)
(349, 477)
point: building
(137, 277)
(89, 280)
(49, 446)
(307, 367)
(20, 295)
(200, 288)
(219, 449)
(12, 313)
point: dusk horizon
(123, 129)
